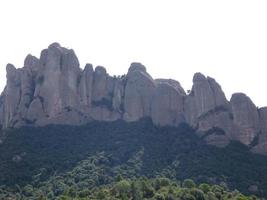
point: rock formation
(168, 103)
(261, 138)
(246, 117)
(54, 90)
(139, 91)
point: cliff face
(54, 90)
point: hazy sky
(225, 39)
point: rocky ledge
(55, 90)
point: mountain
(68, 133)
(55, 90)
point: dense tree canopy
(122, 160)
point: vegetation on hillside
(60, 161)
(93, 179)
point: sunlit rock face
(139, 91)
(53, 89)
(206, 95)
(168, 103)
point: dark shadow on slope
(178, 152)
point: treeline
(142, 188)
(157, 189)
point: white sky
(225, 39)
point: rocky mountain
(55, 90)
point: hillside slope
(100, 151)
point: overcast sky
(225, 39)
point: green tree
(197, 193)
(204, 187)
(136, 191)
(188, 183)
(122, 187)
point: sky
(226, 40)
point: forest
(120, 160)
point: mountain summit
(54, 90)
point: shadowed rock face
(261, 144)
(54, 90)
(246, 117)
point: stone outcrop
(12, 95)
(168, 103)
(55, 90)
(261, 140)
(206, 95)
(86, 85)
(245, 117)
(139, 91)
(207, 109)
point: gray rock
(261, 144)
(32, 63)
(205, 96)
(135, 66)
(36, 110)
(27, 91)
(100, 90)
(168, 103)
(117, 101)
(139, 91)
(57, 79)
(86, 85)
(207, 110)
(54, 90)
(2, 111)
(12, 95)
(246, 117)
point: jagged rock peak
(239, 96)
(53, 89)
(100, 70)
(30, 61)
(54, 44)
(246, 117)
(198, 77)
(136, 66)
(57, 47)
(88, 67)
(10, 69)
(173, 83)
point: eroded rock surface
(55, 90)
(246, 117)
